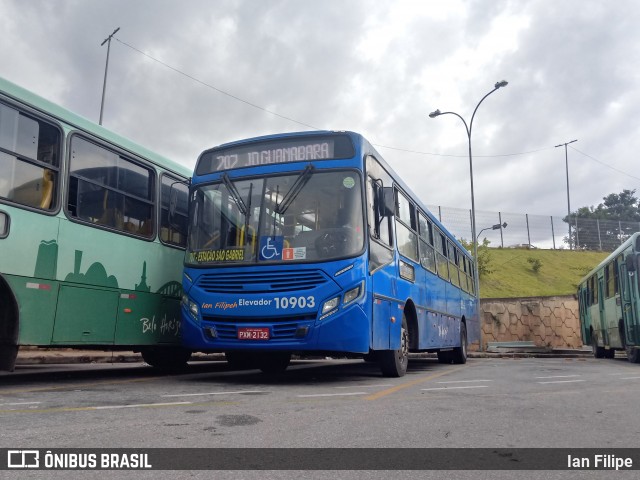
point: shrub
(536, 264)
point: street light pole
(503, 83)
(497, 226)
(106, 68)
(566, 162)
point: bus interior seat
(146, 228)
(111, 216)
(47, 189)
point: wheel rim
(403, 352)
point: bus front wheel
(166, 358)
(459, 354)
(393, 363)
(241, 360)
(274, 362)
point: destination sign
(300, 149)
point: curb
(54, 357)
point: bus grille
(268, 282)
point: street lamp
(497, 226)
(468, 127)
(566, 163)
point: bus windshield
(302, 217)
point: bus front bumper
(347, 331)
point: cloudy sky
(185, 75)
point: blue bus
(309, 243)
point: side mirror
(388, 202)
(631, 262)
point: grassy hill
(513, 272)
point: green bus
(609, 303)
(88, 258)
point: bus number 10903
(295, 302)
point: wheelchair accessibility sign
(271, 248)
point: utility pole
(106, 69)
(566, 162)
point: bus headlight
(330, 305)
(353, 294)
(191, 306)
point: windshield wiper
(235, 194)
(295, 189)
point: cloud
(374, 67)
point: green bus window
(109, 190)
(29, 153)
(610, 279)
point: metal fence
(536, 231)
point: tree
(606, 226)
(484, 256)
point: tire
(611, 353)
(393, 363)
(241, 360)
(633, 355)
(598, 352)
(459, 354)
(370, 357)
(444, 356)
(166, 358)
(273, 362)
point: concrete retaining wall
(546, 321)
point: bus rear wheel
(393, 363)
(633, 355)
(598, 352)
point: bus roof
(67, 117)
(632, 240)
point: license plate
(248, 333)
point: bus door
(382, 266)
(629, 295)
(603, 319)
(585, 318)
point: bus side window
(29, 168)
(110, 190)
(427, 253)
(616, 271)
(380, 225)
(173, 230)
(441, 255)
(406, 226)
